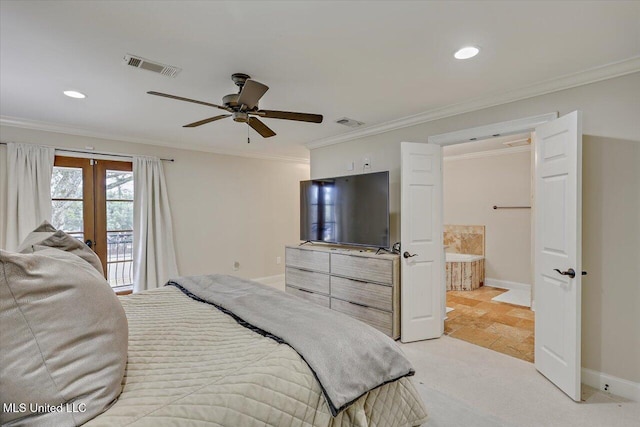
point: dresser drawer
(381, 320)
(309, 296)
(377, 296)
(308, 260)
(363, 268)
(309, 280)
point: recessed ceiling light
(466, 52)
(74, 94)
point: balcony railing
(120, 258)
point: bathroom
(487, 237)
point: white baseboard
(506, 284)
(276, 281)
(610, 384)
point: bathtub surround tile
(464, 275)
(501, 327)
(464, 239)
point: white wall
(225, 208)
(611, 203)
(471, 187)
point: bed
(189, 363)
(209, 350)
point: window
(92, 200)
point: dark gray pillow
(64, 338)
(47, 235)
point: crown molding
(593, 75)
(525, 124)
(69, 130)
(488, 153)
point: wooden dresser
(352, 281)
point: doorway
(557, 246)
(487, 202)
(92, 200)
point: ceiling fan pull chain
(248, 139)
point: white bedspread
(190, 364)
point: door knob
(89, 243)
(570, 272)
(408, 255)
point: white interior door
(422, 258)
(558, 251)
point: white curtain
(29, 169)
(154, 259)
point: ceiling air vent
(349, 122)
(156, 67)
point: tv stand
(356, 282)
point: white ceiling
(370, 61)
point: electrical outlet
(236, 265)
(278, 260)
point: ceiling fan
(243, 106)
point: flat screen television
(350, 210)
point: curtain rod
(99, 153)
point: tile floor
(498, 326)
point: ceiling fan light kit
(243, 106)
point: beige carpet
(467, 385)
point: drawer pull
(356, 280)
(358, 304)
(368, 282)
(304, 269)
(304, 290)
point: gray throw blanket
(348, 357)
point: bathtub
(462, 257)
(465, 272)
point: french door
(92, 200)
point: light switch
(350, 165)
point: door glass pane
(66, 203)
(119, 227)
(119, 185)
(66, 183)
(67, 215)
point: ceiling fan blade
(251, 93)
(288, 115)
(180, 98)
(260, 127)
(205, 121)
